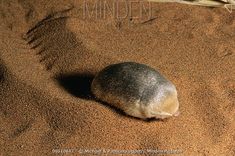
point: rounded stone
(137, 89)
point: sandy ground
(50, 51)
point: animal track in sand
(45, 36)
(21, 129)
(57, 43)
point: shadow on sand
(79, 85)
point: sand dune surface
(51, 50)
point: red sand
(45, 102)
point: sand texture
(49, 54)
